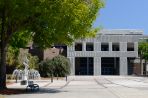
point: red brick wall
(50, 53)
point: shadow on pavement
(14, 91)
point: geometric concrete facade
(122, 37)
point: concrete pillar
(71, 48)
(110, 46)
(97, 46)
(84, 46)
(72, 67)
(123, 46)
(97, 66)
(123, 66)
(135, 46)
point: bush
(58, 66)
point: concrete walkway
(91, 87)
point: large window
(130, 46)
(78, 46)
(115, 47)
(89, 47)
(104, 47)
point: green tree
(43, 66)
(58, 66)
(62, 66)
(19, 40)
(33, 61)
(46, 21)
(12, 56)
(47, 68)
(143, 51)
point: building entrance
(84, 65)
(110, 66)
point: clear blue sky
(124, 14)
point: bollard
(57, 77)
(66, 78)
(51, 78)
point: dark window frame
(130, 46)
(115, 46)
(105, 46)
(78, 46)
(89, 46)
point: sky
(124, 14)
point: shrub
(58, 66)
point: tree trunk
(141, 64)
(145, 68)
(51, 78)
(3, 68)
(3, 53)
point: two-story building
(111, 52)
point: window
(104, 47)
(78, 46)
(89, 47)
(115, 47)
(130, 46)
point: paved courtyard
(90, 87)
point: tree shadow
(15, 91)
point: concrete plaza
(89, 87)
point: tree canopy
(143, 49)
(143, 53)
(46, 21)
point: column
(97, 46)
(110, 46)
(135, 46)
(123, 46)
(97, 66)
(123, 66)
(71, 47)
(72, 67)
(84, 46)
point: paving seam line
(66, 84)
(118, 84)
(99, 83)
(115, 93)
(107, 88)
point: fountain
(26, 74)
(32, 74)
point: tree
(46, 21)
(33, 61)
(143, 52)
(19, 40)
(58, 66)
(12, 56)
(62, 66)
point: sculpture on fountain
(26, 64)
(26, 74)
